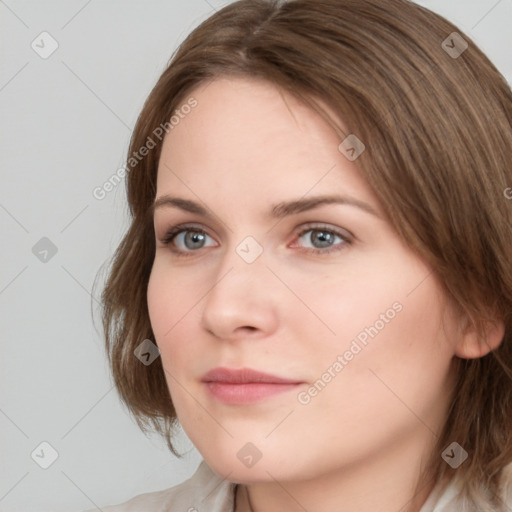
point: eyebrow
(277, 211)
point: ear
(470, 346)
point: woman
(316, 281)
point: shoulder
(204, 490)
(449, 499)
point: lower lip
(246, 393)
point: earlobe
(470, 346)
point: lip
(245, 385)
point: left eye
(318, 238)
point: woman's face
(289, 267)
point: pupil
(321, 238)
(194, 240)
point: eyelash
(175, 231)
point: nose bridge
(240, 296)
(243, 262)
(241, 269)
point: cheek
(401, 370)
(389, 388)
(174, 311)
(160, 302)
(386, 326)
(171, 297)
(338, 306)
(165, 310)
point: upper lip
(244, 376)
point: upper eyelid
(319, 226)
(178, 229)
(169, 226)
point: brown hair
(437, 127)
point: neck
(388, 483)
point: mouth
(245, 386)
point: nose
(242, 301)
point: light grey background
(66, 122)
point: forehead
(249, 138)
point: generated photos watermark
(100, 192)
(305, 397)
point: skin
(360, 443)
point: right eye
(187, 240)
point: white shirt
(205, 491)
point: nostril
(249, 328)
